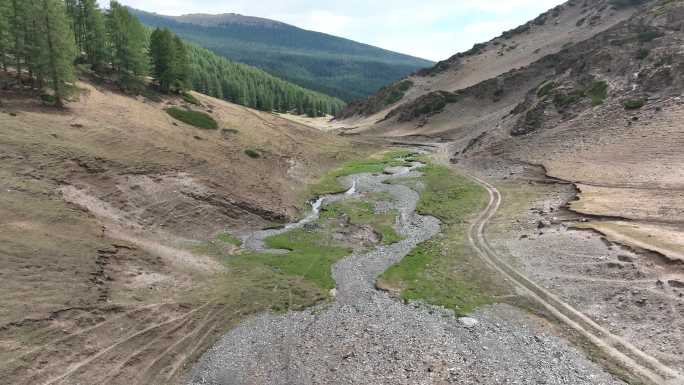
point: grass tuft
(598, 92)
(189, 98)
(229, 238)
(193, 118)
(252, 153)
(634, 104)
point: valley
(512, 215)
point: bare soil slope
(552, 31)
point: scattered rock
(468, 322)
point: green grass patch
(562, 99)
(193, 118)
(362, 212)
(252, 153)
(445, 270)
(189, 98)
(598, 92)
(448, 196)
(634, 104)
(311, 256)
(328, 184)
(545, 88)
(48, 100)
(229, 238)
(650, 35)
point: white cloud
(434, 29)
(323, 21)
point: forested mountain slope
(325, 63)
(249, 86)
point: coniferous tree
(181, 64)
(129, 46)
(18, 17)
(5, 34)
(94, 35)
(56, 47)
(162, 54)
(170, 62)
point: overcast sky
(432, 29)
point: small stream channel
(255, 241)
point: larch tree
(5, 34)
(18, 17)
(94, 35)
(181, 65)
(162, 55)
(57, 49)
(129, 46)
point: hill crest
(314, 60)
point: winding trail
(615, 347)
(367, 337)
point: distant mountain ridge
(325, 63)
(210, 20)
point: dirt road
(616, 348)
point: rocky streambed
(366, 337)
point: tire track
(626, 355)
(73, 368)
(80, 332)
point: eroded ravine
(366, 337)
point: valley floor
(367, 336)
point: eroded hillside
(590, 95)
(114, 218)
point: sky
(431, 29)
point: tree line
(249, 86)
(42, 42)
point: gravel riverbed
(366, 337)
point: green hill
(328, 64)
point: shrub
(151, 95)
(193, 118)
(189, 98)
(562, 100)
(647, 36)
(252, 153)
(634, 104)
(642, 53)
(48, 99)
(545, 88)
(618, 4)
(598, 92)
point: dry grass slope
(101, 207)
